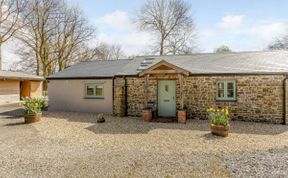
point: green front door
(167, 98)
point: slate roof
(18, 75)
(105, 68)
(263, 62)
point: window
(226, 90)
(94, 91)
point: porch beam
(146, 85)
(164, 72)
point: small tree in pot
(220, 119)
(32, 109)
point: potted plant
(147, 114)
(32, 109)
(219, 121)
(100, 118)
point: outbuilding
(16, 85)
(252, 84)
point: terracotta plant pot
(32, 118)
(147, 115)
(220, 130)
(182, 116)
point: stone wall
(136, 93)
(119, 105)
(259, 97)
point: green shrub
(219, 116)
(100, 118)
(33, 105)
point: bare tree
(9, 20)
(279, 44)
(223, 49)
(181, 42)
(56, 34)
(72, 31)
(37, 34)
(170, 21)
(109, 52)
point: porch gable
(164, 67)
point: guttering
(80, 78)
(238, 74)
(23, 78)
(113, 85)
(130, 75)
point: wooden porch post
(180, 76)
(146, 89)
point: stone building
(251, 84)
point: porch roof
(168, 69)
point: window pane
(89, 90)
(220, 93)
(99, 90)
(230, 93)
(221, 86)
(230, 85)
(166, 88)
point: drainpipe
(126, 95)
(284, 100)
(113, 85)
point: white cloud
(230, 21)
(269, 32)
(134, 43)
(117, 28)
(251, 34)
(117, 19)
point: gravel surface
(269, 163)
(74, 145)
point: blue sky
(244, 25)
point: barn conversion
(252, 84)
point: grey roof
(18, 75)
(206, 63)
(105, 68)
(221, 63)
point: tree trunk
(37, 64)
(162, 46)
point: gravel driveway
(74, 145)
